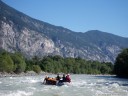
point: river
(81, 85)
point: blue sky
(78, 15)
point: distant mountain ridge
(19, 32)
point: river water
(81, 85)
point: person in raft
(68, 79)
(63, 79)
(58, 77)
(45, 80)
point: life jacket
(68, 79)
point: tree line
(58, 64)
(15, 62)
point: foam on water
(78, 83)
(17, 93)
(115, 85)
(33, 81)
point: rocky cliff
(19, 32)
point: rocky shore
(32, 73)
(28, 73)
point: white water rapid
(81, 85)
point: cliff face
(19, 32)
(29, 42)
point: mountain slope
(19, 32)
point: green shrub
(6, 63)
(121, 64)
(36, 68)
(19, 63)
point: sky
(78, 15)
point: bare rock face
(31, 37)
(29, 42)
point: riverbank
(28, 73)
(32, 73)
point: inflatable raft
(53, 81)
